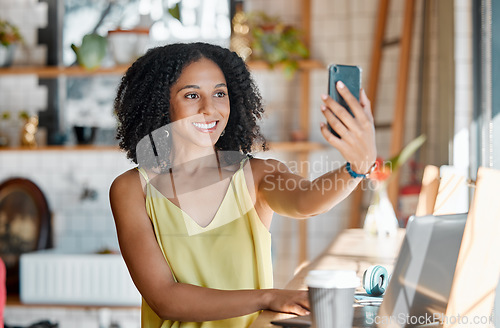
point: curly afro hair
(142, 103)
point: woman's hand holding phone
(356, 141)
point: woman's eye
(220, 94)
(191, 96)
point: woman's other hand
(357, 134)
(287, 301)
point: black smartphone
(351, 77)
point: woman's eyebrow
(194, 86)
(189, 86)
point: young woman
(193, 218)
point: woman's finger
(341, 112)
(304, 302)
(335, 123)
(353, 103)
(366, 104)
(330, 137)
(299, 310)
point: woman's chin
(206, 143)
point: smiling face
(199, 104)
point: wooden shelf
(77, 71)
(288, 146)
(305, 64)
(296, 146)
(55, 71)
(64, 148)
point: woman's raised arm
(294, 196)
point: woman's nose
(207, 106)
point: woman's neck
(190, 161)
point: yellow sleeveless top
(232, 252)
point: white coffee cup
(331, 296)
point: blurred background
(429, 69)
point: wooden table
(354, 250)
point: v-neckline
(184, 213)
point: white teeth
(204, 126)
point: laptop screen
(420, 285)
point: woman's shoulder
(127, 181)
(127, 176)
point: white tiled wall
(80, 224)
(22, 93)
(28, 16)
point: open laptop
(419, 289)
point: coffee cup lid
(332, 279)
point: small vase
(10, 132)
(7, 55)
(85, 135)
(380, 218)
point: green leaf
(407, 152)
(6, 115)
(24, 115)
(175, 11)
(290, 67)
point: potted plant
(276, 42)
(9, 38)
(91, 52)
(11, 127)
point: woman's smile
(206, 127)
